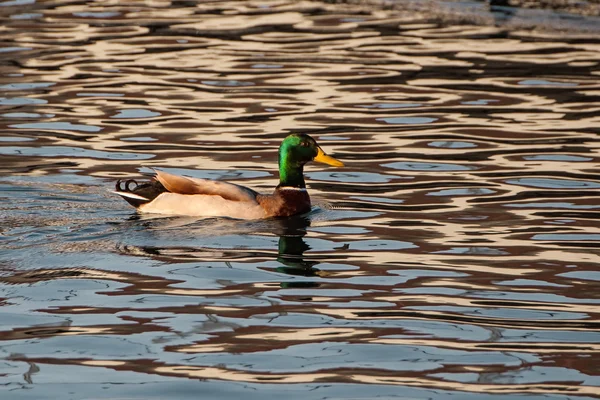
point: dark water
(456, 255)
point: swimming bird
(179, 195)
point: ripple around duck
(455, 255)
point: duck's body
(177, 195)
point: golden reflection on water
(456, 252)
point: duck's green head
(295, 151)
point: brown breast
(285, 202)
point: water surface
(455, 256)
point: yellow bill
(325, 159)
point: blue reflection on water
(407, 120)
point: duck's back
(179, 195)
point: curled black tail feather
(147, 190)
(125, 187)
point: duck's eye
(304, 144)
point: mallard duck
(178, 195)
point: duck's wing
(196, 186)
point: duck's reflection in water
(291, 250)
(225, 240)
